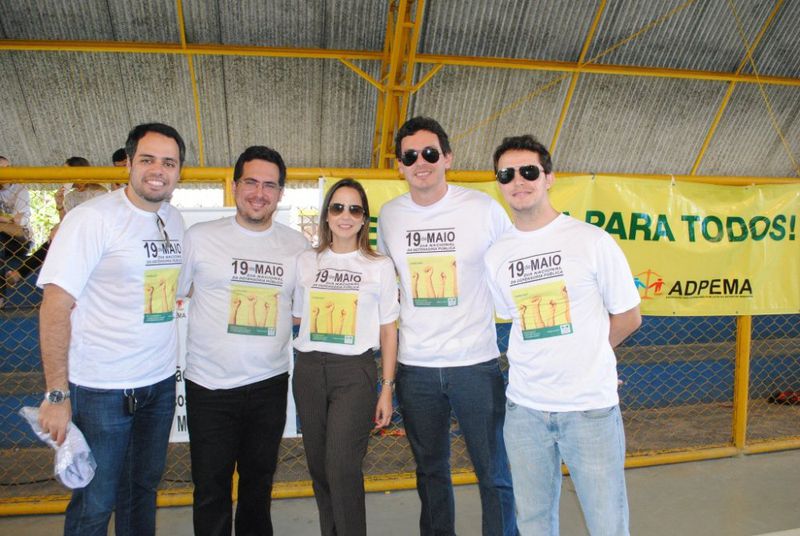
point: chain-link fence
(677, 385)
(774, 394)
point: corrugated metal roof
(95, 20)
(336, 24)
(479, 106)
(746, 142)
(540, 29)
(702, 36)
(778, 53)
(631, 124)
(320, 113)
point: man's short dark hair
(77, 161)
(414, 125)
(138, 132)
(119, 155)
(260, 152)
(525, 142)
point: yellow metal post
(397, 72)
(741, 380)
(574, 81)
(193, 78)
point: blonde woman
(335, 376)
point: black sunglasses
(529, 173)
(430, 154)
(338, 208)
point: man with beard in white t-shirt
(109, 339)
(241, 272)
(437, 236)
(570, 292)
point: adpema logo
(650, 284)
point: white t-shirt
(343, 299)
(446, 315)
(15, 199)
(112, 258)
(558, 284)
(240, 321)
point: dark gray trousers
(335, 397)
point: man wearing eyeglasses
(437, 235)
(108, 335)
(570, 292)
(241, 270)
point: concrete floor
(746, 496)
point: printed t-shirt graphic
(432, 264)
(161, 271)
(334, 306)
(253, 307)
(540, 295)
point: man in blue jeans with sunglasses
(570, 292)
(437, 235)
(108, 335)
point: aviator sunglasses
(354, 210)
(529, 173)
(430, 154)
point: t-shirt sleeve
(389, 306)
(75, 251)
(22, 205)
(187, 269)
(499, 222)
(297, 295)
(500, 306)
(614, 277)
(381, 245)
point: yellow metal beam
(193, 78)
(467, 61)
(574, 81)
(724, 104)
(62, 174)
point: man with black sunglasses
(241, 272)
(437, 235)
(570, 292)
(109, 339)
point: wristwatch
(56, 396)
(390, 383)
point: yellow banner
(694, 249)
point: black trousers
(335, 397)
(242, 428)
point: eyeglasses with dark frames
(430, 154)
(529, 173)
(252, 184)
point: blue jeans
(476, 395)
(591, 443)
(130, 451)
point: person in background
(64, 203)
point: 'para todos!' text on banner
(694, 249)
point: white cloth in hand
(74, 462)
